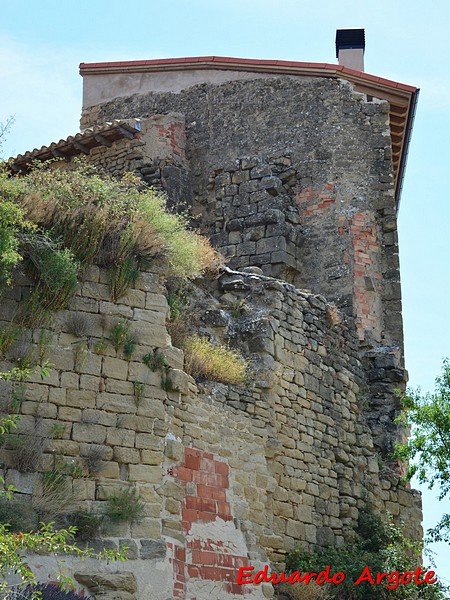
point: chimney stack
(350, 44)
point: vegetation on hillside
(61, 220)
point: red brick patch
(206, 502)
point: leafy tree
(428, 449)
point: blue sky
(42, 44)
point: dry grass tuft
(333, 316)
(217, 363)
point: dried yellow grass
(217, 363)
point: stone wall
(229, 476)
(338, 184)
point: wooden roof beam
(81, 147)
(102, 140)
(125, 132)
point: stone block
(145, 473)
(89, 433)
(115, 310)
(153, 549)
(156, 317)
(151, 457)
(114, 368)
(120, 437)
(147, 282)
(70, 380)
(69, 413)
(174, 450)
(116, 403)
(97, 291)
(126, 455)
(80, 398)
(134, 298)
(147, 528)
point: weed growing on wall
(124, 506)
(203, 360)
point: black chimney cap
(347, 39)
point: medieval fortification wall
(292, 179)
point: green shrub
(379, 545)
(12, 223)
(105, 221)
(87, 523)
(18, 513)
(55, 270)
(119, 334)
(124, 506)
(8, 335)
(217, 363)
(129, 346)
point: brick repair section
(206, 481)
(367, 277)
(312, 201)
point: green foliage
(119, 334)
(12, 222)
(129, 346)
(45, 591)
(429, 445)
(44, 338)
(79, 324)
(124, 506)
(123, 276)
(378, 544)
(100, 346)
(17, 513)
(61, 220)
(57, 431)
(155, 360)
(27, 451)
(138, 390)
(55, 270)
(189, 254)
(8, 335)
(87, 524)
(105, 221)
(13, 547)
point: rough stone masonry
(293, 180)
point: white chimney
(350, 44)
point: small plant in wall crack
(119, 334)
(100, 346)
(125, 506)
(57, 431)
(8, 335)
(79, 324)
(138, 390)
(88, 524)
(156, 361)
(121, 337)
(129, 346)
(94, 459)
(80, 354)
(44, 339)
